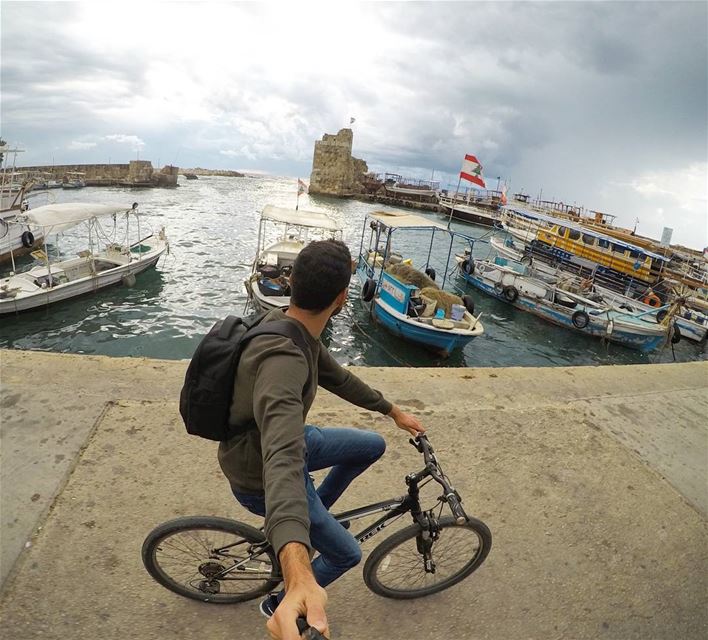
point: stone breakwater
(592, 480)
(136, 173)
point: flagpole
(454, 198)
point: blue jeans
(348, 452)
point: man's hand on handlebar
(303, 596)
(406, 421)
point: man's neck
(314, 322)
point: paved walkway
(592, 480)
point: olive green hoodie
(270, 394)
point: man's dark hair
(320, 272)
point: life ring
(580, 319)
(27, 239)
(368, 291)
(652, 300)
(510, 294)
(469, 303)
(675, 335)
(468, 266)
(430, 272)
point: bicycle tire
(201, 586)
(374, 566)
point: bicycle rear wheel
(395, 568)
(211, 559)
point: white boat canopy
(300, 218)
(400, 219)
(54, 218)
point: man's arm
(343, 383)
(281, 373)
(303, 596)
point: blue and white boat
(510, 281)
(398, 304)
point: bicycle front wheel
(211, 559)
(396, 568)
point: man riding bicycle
(268, 460)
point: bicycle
(223, 561)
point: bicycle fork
(429, 528)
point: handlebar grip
(307, 632)
(456, 508)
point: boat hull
(563, 317)
(441, 340)
(79, 287)
(464, 213)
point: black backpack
(205, 399)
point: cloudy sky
(601, 104)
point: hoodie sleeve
(281, 375)
(335, 378)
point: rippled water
(211, 224)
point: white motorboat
(268, 286)
(509, 281)
(691, 323)
(89, 271)
(15, 239)
(74, 180)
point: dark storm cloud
(574, 97)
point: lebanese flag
(472, 171)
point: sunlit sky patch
(600, 104)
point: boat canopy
(54, 218)
(400, 219)
(300, 218)
(571, 225)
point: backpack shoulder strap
(285, 329)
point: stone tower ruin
(334, 171)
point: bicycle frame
(392, 508)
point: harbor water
(212, 225)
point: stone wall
(135, 172)
(334, 171)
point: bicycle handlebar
(307, 632)
(422, 444)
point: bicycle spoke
(402, 569)
(189, 558)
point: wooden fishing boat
(395, 301)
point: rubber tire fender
(510, 294)
(676, 335)
(27, 239)
(430, 272)
(660, 315)
(580, 319)
(468, 266)
(469, 303)
(368, 291)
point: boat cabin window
(605, 244)
(562, 231)
(573, 234)
(633, 253)
(588, 239)
(618, 248)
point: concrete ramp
(590, 540)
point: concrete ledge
(568, 467)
